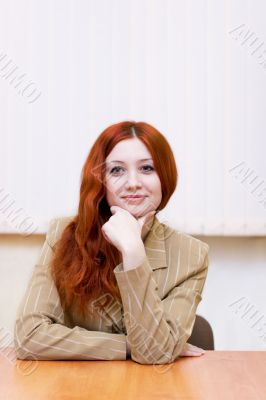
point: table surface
(216, 375)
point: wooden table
(217, 375)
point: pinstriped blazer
(156, 316)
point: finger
(144, 219)
(194, 354)
(105, 237)
(196, 349)
(192, 347)
(190, 353)
(191, 350)
(115, 209)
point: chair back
(202, 334)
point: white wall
(196, 69)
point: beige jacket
(159, 296)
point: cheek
(114, 183)
(112, 190)
(155, 186)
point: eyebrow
(122, 162)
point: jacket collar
(154, 244)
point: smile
(135, 199)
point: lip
(133, 197)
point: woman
(114, 281)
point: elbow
(22, 352)
(22, 345)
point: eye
(114, 170)
(149, 166)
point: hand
(123, 230)
(191, 350)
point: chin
(135, 213)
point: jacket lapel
(155, 245)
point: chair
(202, 334)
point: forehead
(129, 150)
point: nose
(133, 181)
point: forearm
(158, 329)
(147, 330)
(58, 342)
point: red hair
(83, 261)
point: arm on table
(158, 329)
(40, 333)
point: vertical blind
(196, 70)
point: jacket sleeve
(39, 330)
(158, 328)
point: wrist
(133, 257)
(133, 248)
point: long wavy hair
(83, 261)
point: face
(130, 171)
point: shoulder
(56, 228)
(173, 235)
(192, 249)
